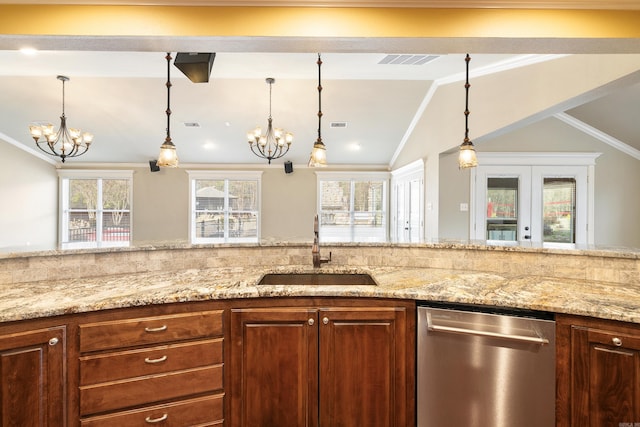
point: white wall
(29, 200)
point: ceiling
(120, 95)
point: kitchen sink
(317, 279)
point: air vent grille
(191, 124)
(397, 59)
(338, 124)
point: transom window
(225, 207)
(353, 207)
(96, 209)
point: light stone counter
(45, 298)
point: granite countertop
(44, 299)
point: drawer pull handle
(617, 342)
(158, 329)
(53, 341)
(158, 360)
(156, 420)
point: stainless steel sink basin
(317, 279)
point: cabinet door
(32, 369)
(363, 367)
(274, 365)
(606, 378)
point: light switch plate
(464, 207)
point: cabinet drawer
(144, 390)
(149, 330)
(203, 411)
(115, 366)
(614, 339)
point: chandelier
(467, 155)
(318, 156)
(65, 142)
(274, 143)
(168, 156)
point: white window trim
(221, 175)
(540, 159)
(91, 174)
(355, 176)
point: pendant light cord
(168, 58)
(466, 105)
(319, 99)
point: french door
(407, 204)
(544, 205)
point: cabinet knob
(311, 322)
(617, 342)
(53, 341)
(325, 320)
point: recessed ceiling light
(28, 51)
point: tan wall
(29, 200)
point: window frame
(354, 177)
(226, 176)
(64, 176)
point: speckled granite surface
(19, 301)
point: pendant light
(168, 156)
(467, 155)
(318, 156)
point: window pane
(82, 227)
(367, 196)
(83, 194)
(210, 225)
(559, 204)
(115, 194)
(502, 209)
(335, 195)
(115, 226)
(243, 195)
(210, 195)
(242, 225)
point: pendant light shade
(318, 156)
(168, 156)
(467, 154)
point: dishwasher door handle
(465, 331)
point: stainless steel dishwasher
(489, 368)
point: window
(353, 207)
(224, 207)
(96, 209)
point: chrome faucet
(315, 250)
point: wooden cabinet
(164, 370)
(32, 368)
(598, 373)
(341, 363)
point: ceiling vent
(191, 124)
(338, 124)
(196, 66)
(398, 59)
